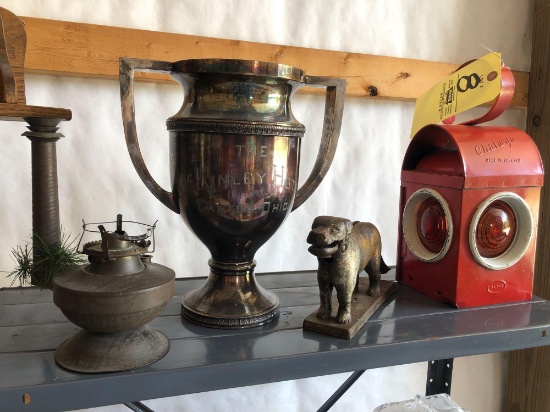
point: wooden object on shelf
(88, 50)
(12, 57)
(528, 379)
(12, 83)
(42, 124)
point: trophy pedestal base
(91, 352)
(230, 299)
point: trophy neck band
(252, 128)
(221, 268)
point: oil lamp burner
(112, 299)
(469, 211)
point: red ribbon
(507, 85)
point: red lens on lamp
(496, 229)
(431, 225)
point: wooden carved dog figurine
(344, 249)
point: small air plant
(38, 264)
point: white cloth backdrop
(97, 179)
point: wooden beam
(529, 370)
(87, 50)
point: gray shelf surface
(408, 328)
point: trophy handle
(128, 67)
(334, 109)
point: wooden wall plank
(529, 370)
(87, 50)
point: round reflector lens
(431, 225)
(496, 229)
(501, 230)
(427, 225)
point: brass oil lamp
(112, 299)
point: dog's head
(328, 235)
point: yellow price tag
(474, 84)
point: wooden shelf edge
(87, 50)
(20, 112)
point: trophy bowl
(234, 161)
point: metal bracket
(440, 373)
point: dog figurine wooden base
(344, 249)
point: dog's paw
(374, 291)
(323, 314)
(343, 318)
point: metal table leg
(340, 391)
(138, 407)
